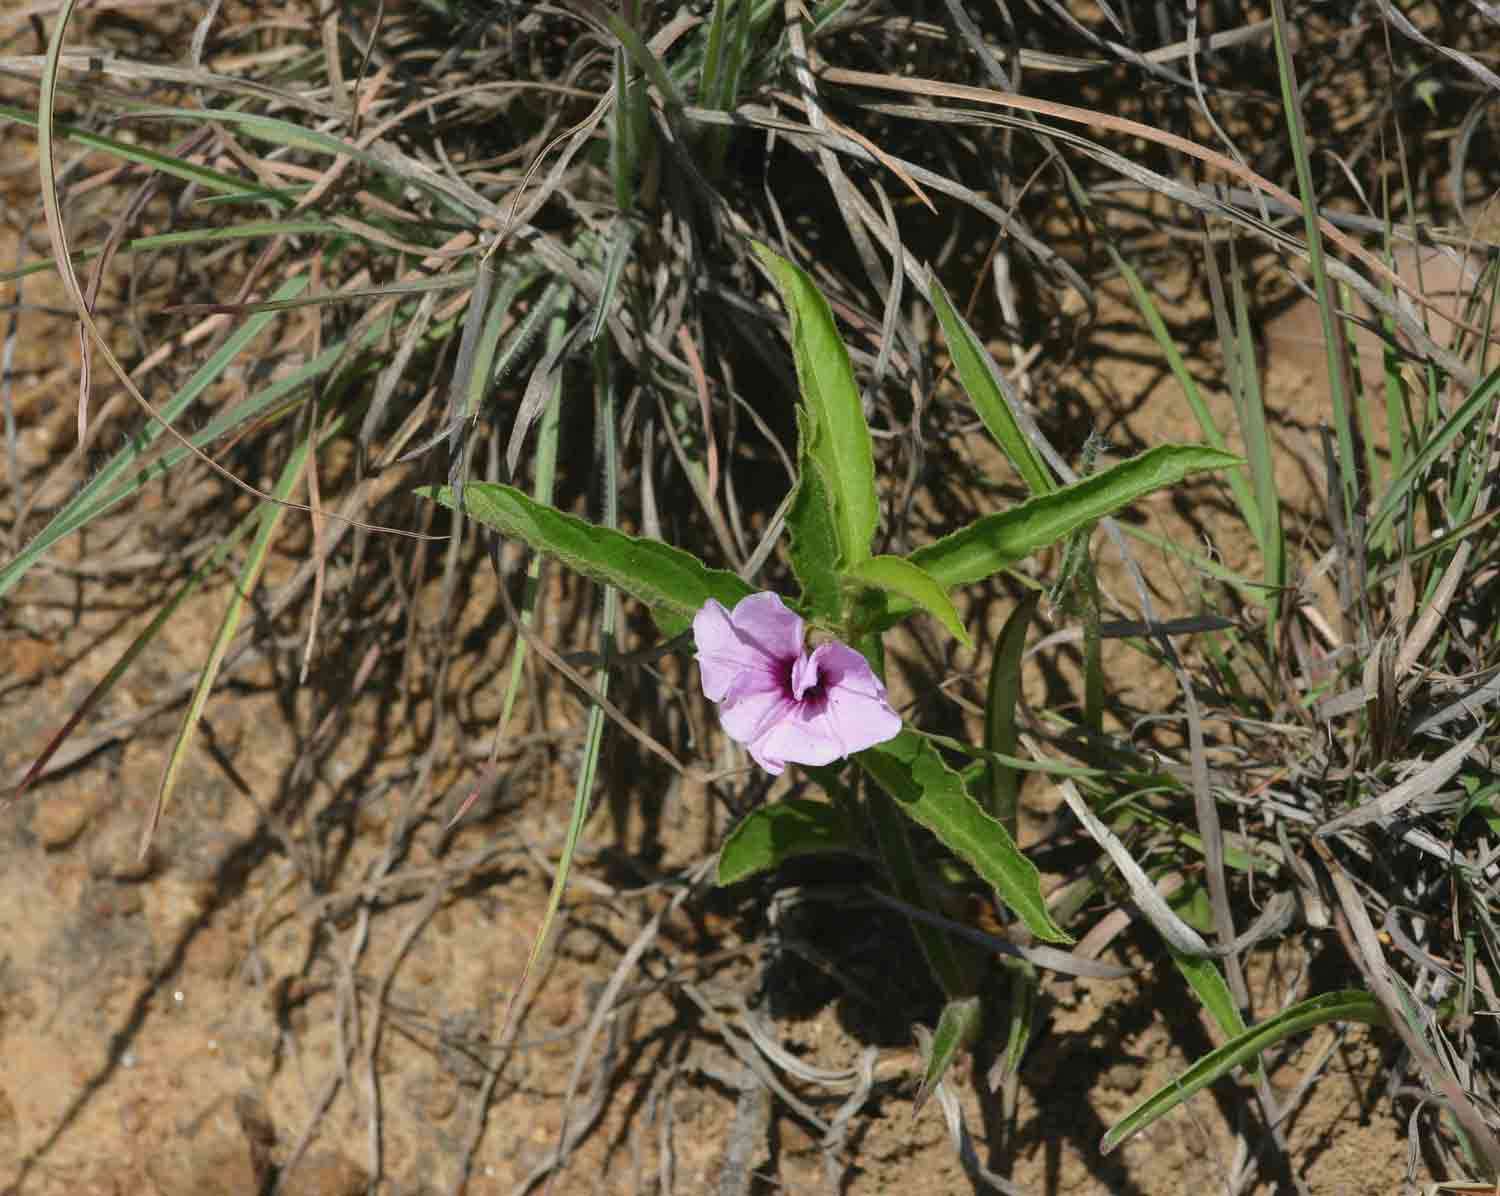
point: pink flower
(782, 702)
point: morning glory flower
(783, 702)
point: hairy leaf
(835, 435)
(898, 576)
(958, 1026)
(910, 769)
(813, 540)
(990, 544)
(673, 583)
(767, 837)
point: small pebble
(59, 820)
(432, 1095)
(8, 1121)
(1124, 1077)
(325, 1174)
(115, 853)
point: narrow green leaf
(673, 583)
(773, 834)
(210, 180)
(1238, 485)
(276, 131)
(1433, 449)
(813, 542)
(986, 390)
(605, 414)
(1350, 1005)
(1191, 902)
(990, 544)
(1020, 1024)
(897, 575)
(271, 514)
(837, 437)
(958, 1026)
(909, 768)
(1260, 450)
(1307, 191)
(451, 281)
(713, 56)
(1002, 784)
(114, 482)
(622, 241)
(635, 46)
(1208, 983)
(544, 476)
(244, 231)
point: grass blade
(987, 391)
(1351, 1005)
(270, 518)
(97, 496)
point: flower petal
(854, 711)
(722, 653)
(770, 763)
(859, 720)
(783, 704)
(766, 625)
(760, 635)
(841, 667)
(805, 673)
(801, 735)
(753, 710)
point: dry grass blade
(1424, 782)
(1364, 947)
(57, 235)
(1132, 128)
(1148, 899)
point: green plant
(855, 595)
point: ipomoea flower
(781, 701)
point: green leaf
(896, 575)
(836, 436)
(673, 583)
(955, 964)
(1350, 1005)
(813, 542)
(990, 544)
(1208, 983)
(125, 473)
(986, 390)
(958, 1026)
(1192, 903)
(271, 514)
(769, 836)
(1021, 1022)
(605, 397)
(213, 181)
(1437, 443)
(910, 769)
(1002, 785)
